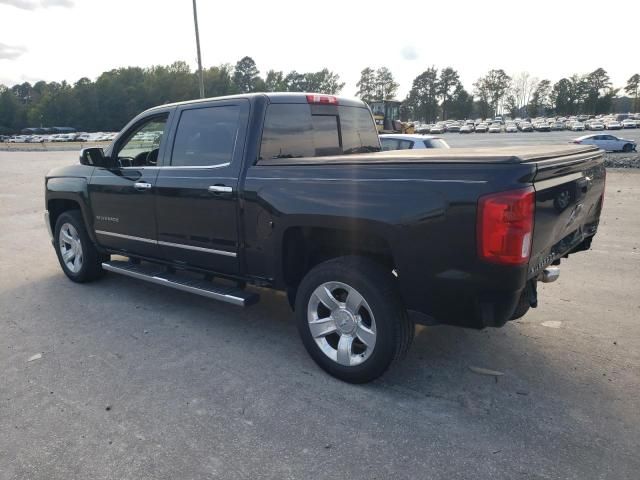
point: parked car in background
(437, 128)
(609, 143)
(495, 128)
(594, 125)
(613, 125)
(467, 128)
(576, 127)
(629, 123)
(453, 127)
(416, 141)
(557, 126)
(525, 127)
(482, 128)
(541, 126)
(511, 128)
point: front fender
(72, 189)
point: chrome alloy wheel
(70, 247)
(341, 323)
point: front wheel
(78, 256)
(351, 319)
(627, 148)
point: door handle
(220, 189)
(142, 186)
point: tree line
(107, 103)
(116, 96)
(438, 95)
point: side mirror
(94, 157)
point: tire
(380, 319)
(78, 256)
(523, 306)
(627, 148)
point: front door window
(141, 148)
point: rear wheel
(351, 319)
(78, 256)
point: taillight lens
(505, 226)
(322, 99)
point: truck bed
(517, 154)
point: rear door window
(206, 136)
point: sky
(57, 40)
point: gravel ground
(622, 160)
(120, 379)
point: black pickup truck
(291, 192)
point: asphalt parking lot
(529, 138)
(139, 382)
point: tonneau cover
(517, 154)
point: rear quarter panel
(425, 212)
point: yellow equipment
(386, 113)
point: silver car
(394, 141)
(609, 143)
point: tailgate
(569, 195)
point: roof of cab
(272, 97)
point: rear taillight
(323, 99)
(505, 226)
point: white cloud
(11, 52)
(409, 52)
(34, 4)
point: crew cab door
(197, 186)
(121, 196)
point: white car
(495, 128)
(414, 141)
(511, 128)
(576, 127)
(629, 123)
(607, 142)
(482, 128)
(613, 125)
(595, 126)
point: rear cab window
(298, 130)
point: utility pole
(195, 22)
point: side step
(158, 275)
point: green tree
(461, 103)
(274, 81)
(218, 81)
(540, 99)
(492, 89)
(423, 96)
(563, 97)
(385, 86)
(633, 90)
(448, 83)
(597, 84)
(367, 85)
(246, 75)
(323, 81)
